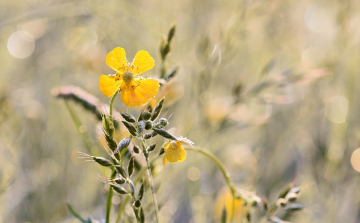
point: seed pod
(146, 116)
(148, 125)
(162, 49)
(132, 187)
(141, 127)
(164, 134)
(171, 33)
(128, 117)
(102, 161)
(121, 171)
(223, 215)
(151, 148)
(120, 180)
(171, 73)
(291, 196)
(119, 189)
(142, 215)
(163, 71)
(131, 166)
(130, 127)
(137, 204)
(281, 202)
(123, 144)
(140, 117)
(295, 207)
(110, 141)
(162, 151)
(141, 191)
(157, 109)
(136, 149)
(150, 135)
(108, 125)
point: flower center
(128, 76)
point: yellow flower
(135, 90)
(174, 152)
(225, 199)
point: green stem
(151, 182)
(111, 103)
(113, 174)
(235, 192)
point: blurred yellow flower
(135, 90)
(225, 199)
(174, 152)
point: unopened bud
(157, 109)
(281, 202)
(148, 125)
(102, 161)
(291, 196)
(163, 122)
(123, 144)
(120, 180)
(151, 148)
(164, 134)
(119, 189)
(130, 127)
(136, 149)
(150, 135)
(146, 116)
(137, 204)
(128, 117)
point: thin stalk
(151, 182)
(113, 174)
(77, 123)
(235, 192)
(126, 200)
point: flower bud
(136, 149)
(157, 109)
(120, 180)
(128, 117)
(119, 189)
(102, 161)
(137, 204)
(131, 128)
(151, 148)
(281, 202)
(148, 125)
(150, 135)
(163, 122)
(123, 144)
(164, 134)
(146, 116)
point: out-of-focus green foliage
(270, 87)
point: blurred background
(270, 87)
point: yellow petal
(164, 160)
(108, 85)
(142, 62)
(139, 91)
(176, 153)
(116, 59)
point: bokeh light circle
(20, 45)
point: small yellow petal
(142, 62)
(116, 59)
(174, 152)
(139, 91)
(108, 85)
(164, 160)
